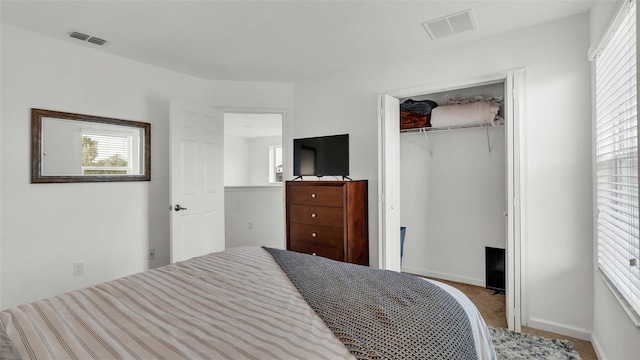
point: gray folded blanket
(381, 314)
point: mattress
(236, 304)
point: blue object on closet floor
(403, 230)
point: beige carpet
(492, 308)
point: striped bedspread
(236, 304)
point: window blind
(109, 146)
(617, 158)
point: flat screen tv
(321, 156)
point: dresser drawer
(329, 218)
(317, 235)
(317, 215)
(331, 253)
(316, 195)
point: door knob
(178, 208)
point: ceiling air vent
(79, 36)
(88, 38)
(450, 24)
(97, 41)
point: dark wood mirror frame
(36, 148)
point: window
(275, 164)
(105, 154)
(617, 158)
(110, 153)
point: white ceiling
(252, 125)
(279, 41)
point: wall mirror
(67, 147)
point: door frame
(515, 143)
(389, 254)
(286, 147)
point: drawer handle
(313, 196)
(314, 215)
(314, 254)
(314, 234)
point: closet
(453, 192)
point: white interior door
(389, 182)
(197, 180)
(513, 107)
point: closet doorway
(389, 177)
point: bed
(242, 303)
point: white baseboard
(558, 328)
(439, 275)
(597, 347)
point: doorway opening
(389, 181)
(253, 179)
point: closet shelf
(426, 130)
(448, 128)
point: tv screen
(321, 156)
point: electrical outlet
(250, 226)
(152, 253)
(78, 268)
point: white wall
(47, 227)
(614, 335)
(452, 202)
(254, 216)
(557, 163)
(237, 169)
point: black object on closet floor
(495, 277)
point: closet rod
(442, 129)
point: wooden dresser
(329, 218)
